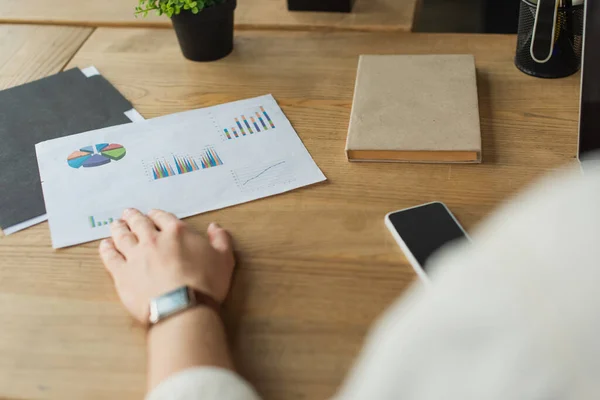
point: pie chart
(96, 155)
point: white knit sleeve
(204, 383)
(514, 315)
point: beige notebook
(415, 108)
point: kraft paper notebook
(415, 108)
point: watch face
(172, 302)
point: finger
(219, 238)
(139, 224)
(162, 219)
(110, 256)
(122, 236)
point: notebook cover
(56, 106)
(415, 103)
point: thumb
(219, 238)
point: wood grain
(28, 53)
(32, 52)
(368, 15)
(316, 266)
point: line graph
(263, 176)
(262, 172)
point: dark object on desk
(550, 37)
(501, 16)
(60, 105)
(208, 35)
(589, 123)
(321, 5)
(422, 230)
(467, 16)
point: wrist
(206, 289)
(192, 338)
(180, 300)
(191, 319)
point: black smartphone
(421, 230)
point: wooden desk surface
(316, 266)
(368, 15)
(32, 52)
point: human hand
(151, 255)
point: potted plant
(204, 28)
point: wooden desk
(316, 265)
(32, 52)
(368, 15)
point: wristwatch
(179, 300)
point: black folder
(60, 105)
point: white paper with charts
(185, 163)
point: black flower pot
(208, 35)
(321, 5)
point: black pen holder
(562, 44)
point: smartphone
(421, 230)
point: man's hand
(151, 255)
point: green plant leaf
(173, 7)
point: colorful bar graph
(255, 124)
(228, 135)
(247, 124)
(185, 164)
(95, 224)
(258, 121)
(261, 121)
(267, 117)
(237, 121)
(210, 159)
(162, 169)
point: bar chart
(94, 223)
(254, 121)
(166, 167)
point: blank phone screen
(425, 229)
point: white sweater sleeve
(204, 383)
(515, 315)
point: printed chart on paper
(186, 163)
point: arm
(191, 339)
(151, 255)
